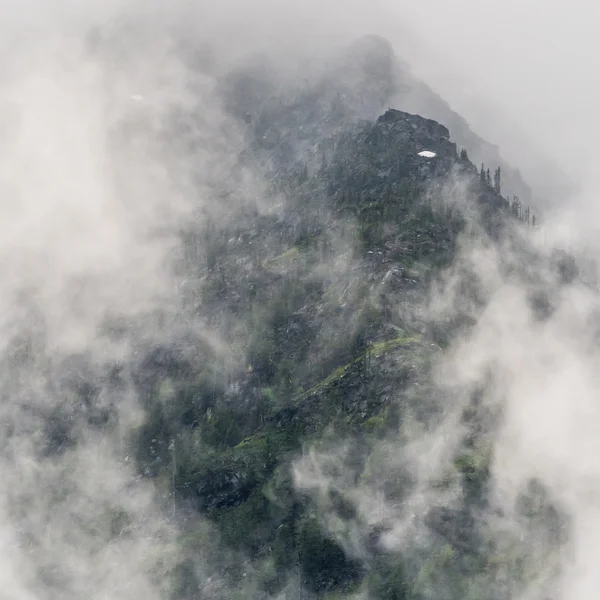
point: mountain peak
(372, 46)
(433, 128)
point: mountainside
(300, 416)
(324, 303)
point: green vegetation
(332, 351)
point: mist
(115, 140)
(521, 74)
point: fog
(534, 59)
(521, 73)
(94, 191)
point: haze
(96, 188)
(530, 63)
(523, 74)
(534, 61)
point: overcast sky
(536, 59)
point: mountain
(290, 414)
(361, 82)
(324, 302)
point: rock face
(437, 133)
(386, 154)
(409, 135)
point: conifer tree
(516, 207)
(497, 181)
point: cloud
(95, 187)
(94, 190)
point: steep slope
(325, 303)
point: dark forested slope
(322, 304)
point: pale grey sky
(536, 59)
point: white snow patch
(427, 154)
